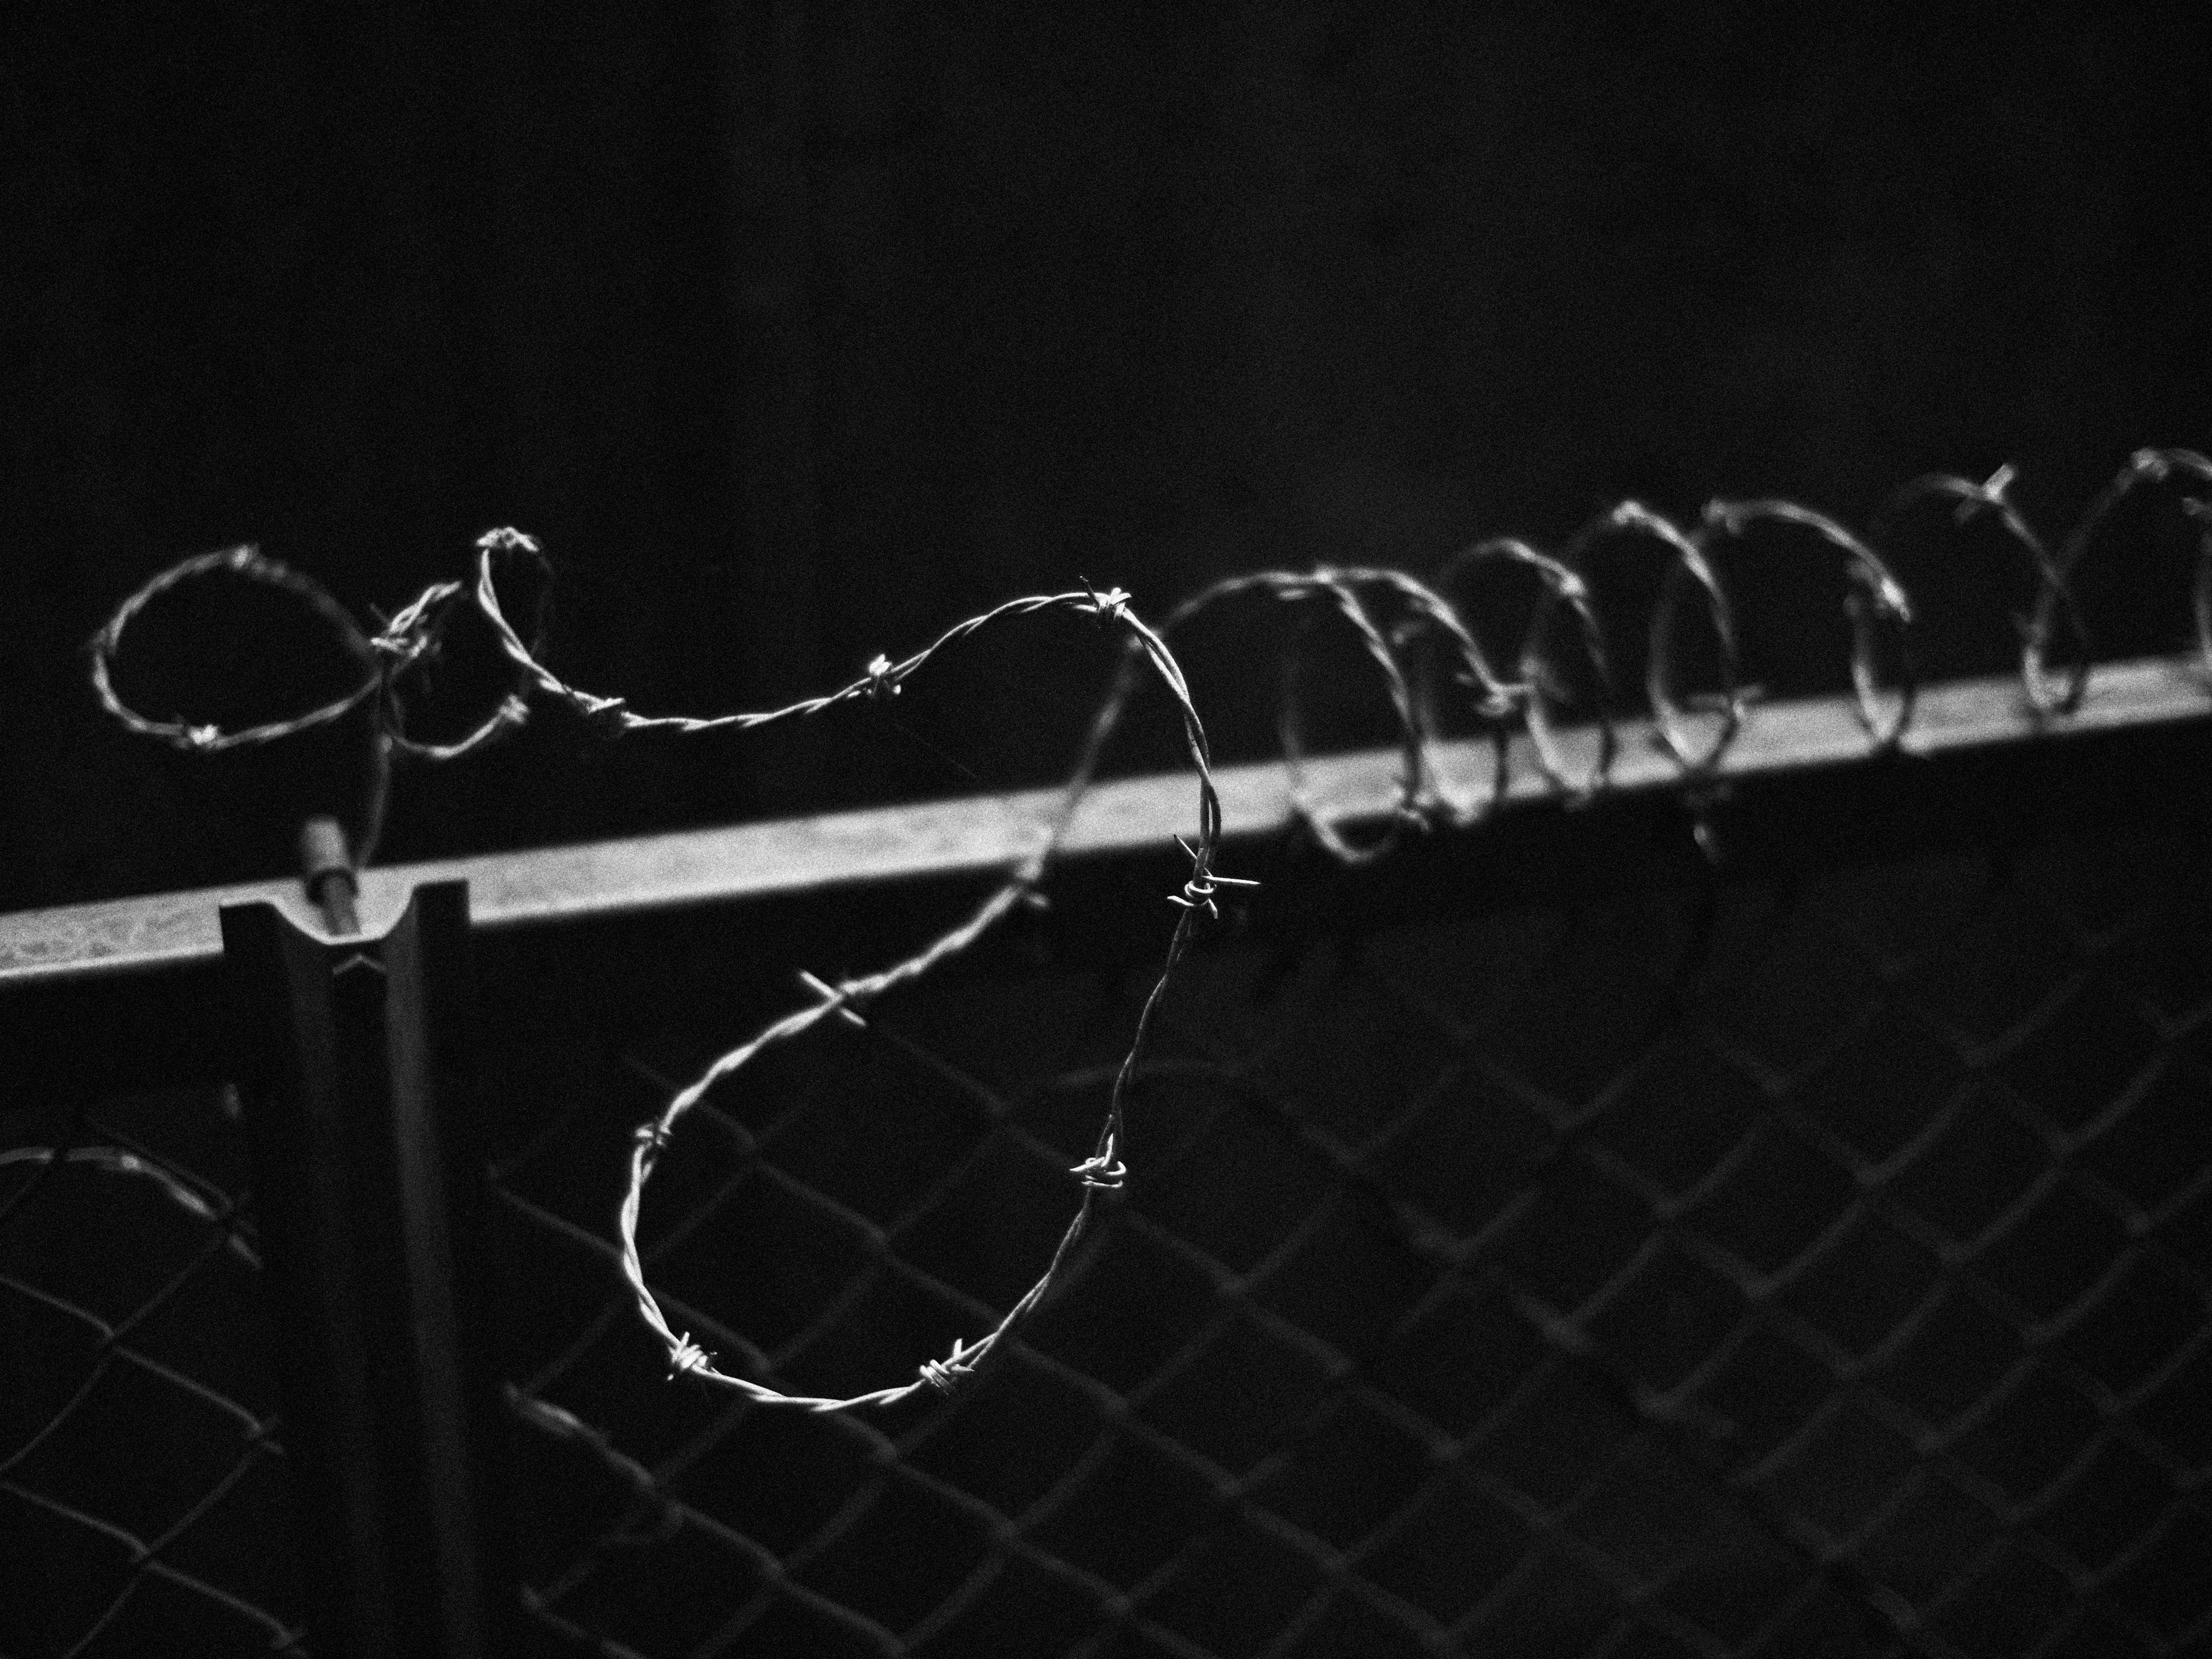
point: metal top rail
(604, 879)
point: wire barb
(1112, 605)
(1198, 893)
(837, 1000)
(688, 1359)
(1101, 1172)
(944, 1374)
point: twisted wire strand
(1403, 625)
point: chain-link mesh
(1756, 1264)
(142, 1499)
(1753, 1265)
(1778, 1267)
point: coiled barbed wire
(1426, 651)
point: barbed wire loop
(1874, 604)
(1674, 711)
(1104, 1171)
(2054, 601)
(246, 563)
(406, 643)
(1543, 685)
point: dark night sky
(798, 332)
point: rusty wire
(1695, 726)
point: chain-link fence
(1684, 1222)
(141, 1501)
(1810, 1262)
(1615, 1255)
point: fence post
(369, 1191)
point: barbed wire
(414, 637)
(1536, 692)
(410, 635)
(1426, 651)
(1103, 1171)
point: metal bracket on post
(370, 1195)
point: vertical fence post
(369, 1190)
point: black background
(798, 332)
